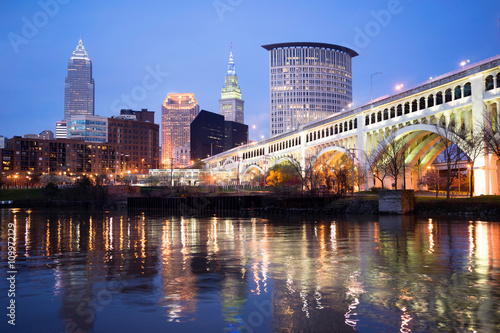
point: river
(113, 272)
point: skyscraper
(308, 81)
(230, 102)
(79, 85)
(177, 113)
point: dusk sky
(187, 43)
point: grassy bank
(485, 205)
(21, 194)
(361, 203)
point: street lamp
(238, 175)
(469, 167)
(436, 177)
(371, 87)
(265, 168)
(353, 156)
(463, 63)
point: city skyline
(407, 41)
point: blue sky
(186, 44)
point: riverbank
(361, 203)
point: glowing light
(399, 86)
(405, 320)
(431, 237)
(471, 244)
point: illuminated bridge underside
(468, 97)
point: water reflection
(98, 272)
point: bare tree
(450, 151)
(379, 170)
(474, 147)
(309, 178)
(340, 173)
(390, 159)
(360, 176)
(491, 137)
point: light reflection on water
(109, 272)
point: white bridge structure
(468, 97)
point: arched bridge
(467, 97)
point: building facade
(143, 115)
(61, 129)
(308, 82)
(207, 135)
(79, 85)
(211, 135)
(235, 134)
(231, 106)
(138, 143)
(182, 155)
(88, 128)
(44, 135)
(25, 156)
(177, 113)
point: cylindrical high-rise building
(308, 81)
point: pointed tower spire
(79, 52)
(230, 65)
(230, 103)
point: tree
(390, 159)
(101, 179)
(379, 170)
(474, 148)
(50, 190)
(450, 151)
(490, 135)
(283, 177)
(341, 171)
(84, 182)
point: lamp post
(171, 173)
(469, 167)
(371, 87)
(353, 156)
(404, 169)
(265, 169)
(458, 167)
(238, 175)
(436, 177)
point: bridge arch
(422, 128)
(229, 164)
(336, 153)
(251, 167)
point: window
(488, 84)
(447, 96)
(467, 89)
